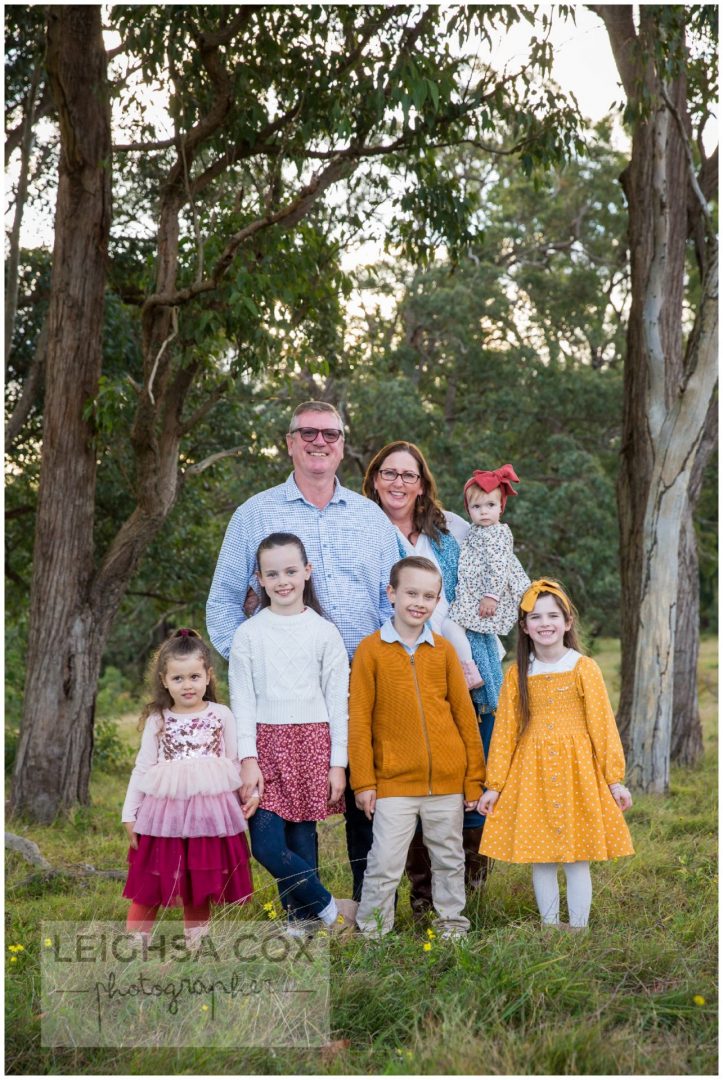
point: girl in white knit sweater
(289, 681)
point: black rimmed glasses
(310, 434)
(390, 475)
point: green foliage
(110, 754)
(510, 282)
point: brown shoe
(346, 918)
(476, 867)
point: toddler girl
(289, 682)
(556, 763)
(490, 579)
(182, 811)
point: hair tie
(184, 632)
(489, 479)
(529, 599)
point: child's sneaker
(472, 675)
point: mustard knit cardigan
(412, 726)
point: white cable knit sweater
(289, 669)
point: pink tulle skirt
(174, 870)
(198, 815)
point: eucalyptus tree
(264, 111)
(667, 66)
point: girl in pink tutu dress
(289, 680)
(182, 811)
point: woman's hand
(132, 834)
(622, 796)
(337, 783)
(487, 802)
(252, 782)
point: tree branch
(29, 393)
(201, 466)
(285, 218)
(623, 42)
(205, 409)
(692, 176)
(213, 39)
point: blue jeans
(288, 850)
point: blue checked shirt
(351, 545)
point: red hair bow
(489, 479)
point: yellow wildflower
(204, 1008)
(13, 959)
(48, 942)
(427, 946)
(431, 934)
(698, 999)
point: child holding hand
(289, 681)
(182, 813)
(556, 766)
(490, 579)
(415, 750)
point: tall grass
(636, 995)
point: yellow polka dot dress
(555, 804)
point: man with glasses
(351, 546)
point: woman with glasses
(400, 481)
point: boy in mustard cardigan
(414, 750)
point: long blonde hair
(182, 643)
(524, 650)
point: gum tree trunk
(53, 763)
(667, 394)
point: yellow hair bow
(529, 599)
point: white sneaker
(453, 933)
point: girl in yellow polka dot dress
(556, 762)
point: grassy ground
(637, 995)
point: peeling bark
(667, 418)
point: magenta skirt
(175, 870)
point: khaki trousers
(395, 819)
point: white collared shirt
(389, 634)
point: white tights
(455, 633)
(547, 893)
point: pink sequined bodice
(191, 736)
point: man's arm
(389, 554)
(234, 572)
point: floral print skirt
(294, 762)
